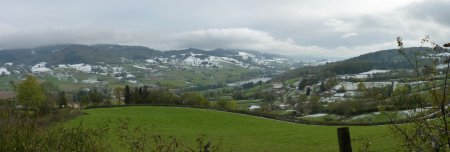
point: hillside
(384, 59)
(76, 65)
(113, 54)
(236, 132)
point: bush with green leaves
(25, 134)
(226, 104)
(428, 129)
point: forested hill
(115, 54)
(384, 59)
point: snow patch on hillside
(245, 55)
(90, 80)
(100, 68)
(80, 67)
(117, 70)
(212, 61)
(193, 54)
(150, 61)
(140, 67)
(4, 71)
(363, 74)
(374, 71)
(315, 115)
(40, 67)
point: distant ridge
(384, 59)
(106, 53)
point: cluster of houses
(351, 90)
(343, 90)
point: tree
(314, 98)
(127, 94)
(62, 99)
(248, 85)
(303, 83)
(362, 87)
(259, 83)
(341, 89)
(290, 100)
(231, 104)
(309, 107)
(403, 99)
(363, 91)
(30, 93)
(52, 97)
(221, 104)
(135, 98)
(308, 91)
(194, 99)
(303, 98)
(118, 93)
(341, 108)
(269, 97)
(95, 97)
(237, 95)
(330, 83)
(226, 104)
(322, 87)
(140, 96)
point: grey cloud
(434, 10)
(288, 27)
(245, 38)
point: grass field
(367, 117)
(237, 132)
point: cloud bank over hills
(309, 28)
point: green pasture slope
(237, 132)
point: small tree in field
(30, 94)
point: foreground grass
(236, 132)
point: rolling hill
(120, 64)
(113, 54)
(384, 59)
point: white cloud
(340, 25)
(211, 38)
(234, 38)
(349, 35)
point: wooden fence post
(345, 144)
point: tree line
(147, 95)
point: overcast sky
(326, 28)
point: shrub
(226, 104)
(350, 107)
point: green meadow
(235, 132)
